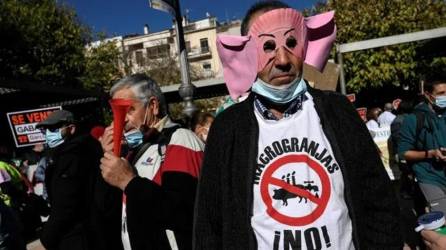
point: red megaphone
(120, 107)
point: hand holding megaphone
(106, 139)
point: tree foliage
(102, 65)
(399, 65)
(209, 105)
(166, 70)
(41, 41)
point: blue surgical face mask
(134, 138)
(440, 101)
(54, 139)
(280, 94)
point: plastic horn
(119, 107)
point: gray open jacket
(225, 192)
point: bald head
(388, 107)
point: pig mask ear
(238, 55)
(321, 33)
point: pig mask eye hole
(269, 46)
(291, 42)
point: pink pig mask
(283, 28)
(243, 57)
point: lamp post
(186, 89)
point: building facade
(143, 52)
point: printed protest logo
(279, 184)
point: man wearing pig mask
(290, 167)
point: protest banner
(23, 125)
(381, 138)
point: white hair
(144, 88)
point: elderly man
(291, 167)
(159, 176)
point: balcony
(197, 54)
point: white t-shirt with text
(298, 187)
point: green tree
(359, 20)
(203, 105)
(102, 65)
(41, 41)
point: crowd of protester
(416, 145)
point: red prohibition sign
(321, 202)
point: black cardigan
(225, 193)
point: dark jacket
(152, 209)
(10, 229)
(70, 182)
(225, 194)
(105, 214)
(395, 128)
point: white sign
(381, 137)
(23, 125)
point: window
(207, 70)
(206, 66)
(158, 51)
(188, 48)
(204, 45)
(134, 47)
(139, 58)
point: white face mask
(280, 94)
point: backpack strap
(164, 139)
(141, 151)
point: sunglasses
(53, 128)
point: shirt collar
(295, 105)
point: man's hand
(434, 240)
(107, 139)
(436, 154)
(116, 171)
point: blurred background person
(201, 122)
(386, 118)
(372, 118)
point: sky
(122, 17)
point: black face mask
(150, 134)
(438, 110)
